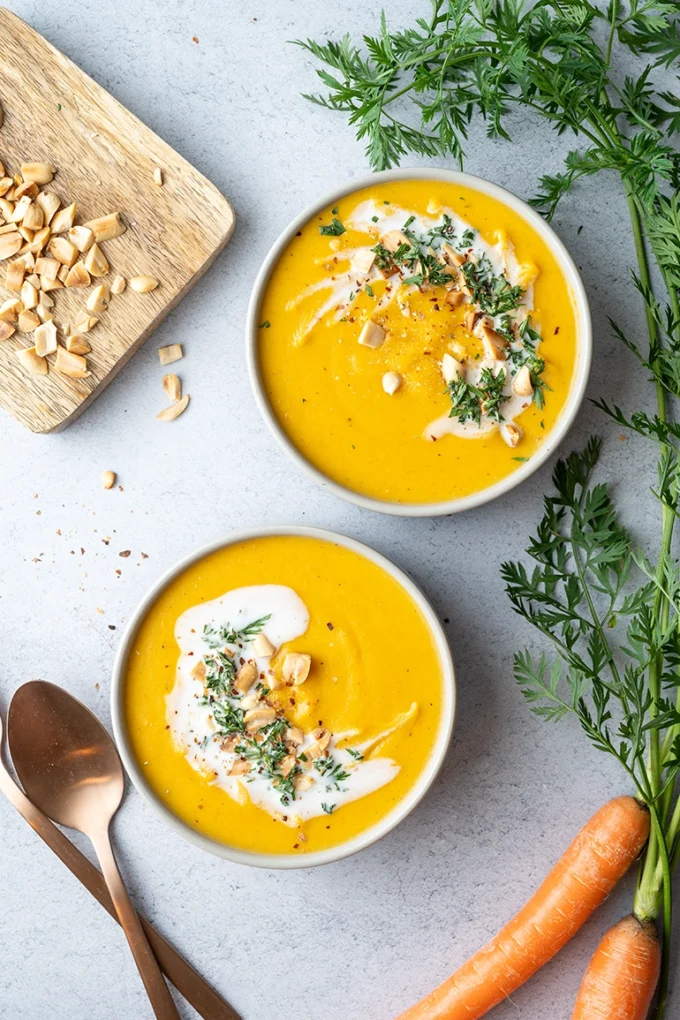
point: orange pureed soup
(283, 694)
(417, 341)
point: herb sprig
(217, 637)
(612, 617)
(469, 402)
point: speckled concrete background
(362, 939)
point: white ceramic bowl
(583, 354)
(375, 832)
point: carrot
(584, 876)
(622, 975)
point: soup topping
(493, 370)
(228, 709)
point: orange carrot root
(584, 876)
(622, 975)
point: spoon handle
(205, 1000)
(149, 971)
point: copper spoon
(69, 767)
(205, 1000)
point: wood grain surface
(106, 157)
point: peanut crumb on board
(108, 479)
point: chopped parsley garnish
(266, 756)
(332, 771)
(328, 808)
(469, 402)
(526, 355)
(494, 294)
(265, 325)
(414, 261)
(228, 718)
(369, 290)
(334, 228)
(217, 637)
(220, 671)
(355, 754)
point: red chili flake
(194, 38)
(329, 625)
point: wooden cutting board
(106, 157)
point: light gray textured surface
(362, 939)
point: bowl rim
(581, 369)
(377, 830)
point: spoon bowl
(65, 759)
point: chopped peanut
(78, 276)
(246, 677)
(34, 219)
(29, 295)
(47, 268)
(174, 411)
(302, 783)
(64, 219)
(372, 335)
(173, 352)
(40, 173)
(105, 228)
(393, 240)
(29, 321)
(451, 368)
(73, 365)
(199, 671)
(108, 479)
(143, 284)
(391, 381)
(98, 301)
(96, 262)
(294, 735)
(262, 647)
(63, 251)
(46, 339)
(522, 384)
(258, 717)
(296, 667)
(14, 278)
(81, 238)
(495, 345)
(77, 344)
(86, 324)
(511, 434)
(33, 364)
(10, 244)
(49, 203)
(171, 385)
(6, 330)
(9, 310)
